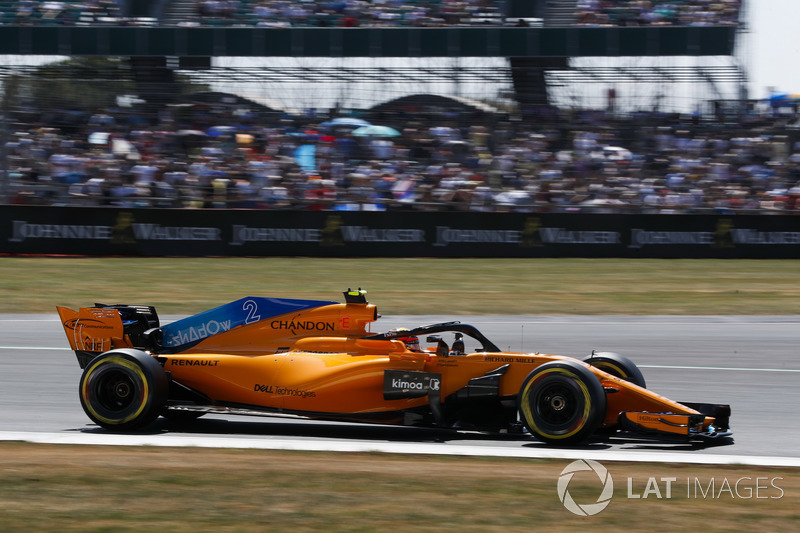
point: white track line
(34, 348)
(739, 369)
(412, 448)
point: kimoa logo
(402, 384)
(588, 509)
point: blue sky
(772, 53)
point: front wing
(712, 422)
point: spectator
(585, 161)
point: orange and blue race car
(317, 359)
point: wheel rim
(556, 404)
(115, 390)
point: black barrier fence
(211, 232)
(453, 41)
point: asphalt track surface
(749, 362)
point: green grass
(70, 488)
(412, 285)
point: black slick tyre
(562, 402)
(617, 365)
(123, 390)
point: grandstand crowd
(560, 161)
(652, 13)
(371, 13)
(427, 13)
(60, 12)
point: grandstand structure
(520, 54)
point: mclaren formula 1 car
(317, 359)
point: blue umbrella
(346, 121)
(305, 157)
(216, 131)
(376, 131)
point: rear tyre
(562, 402)
(617, 365)
(123, 390)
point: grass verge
(411, 285)
(70, 488)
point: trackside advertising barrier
(212, 232)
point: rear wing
(94, 330)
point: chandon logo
(591, 508)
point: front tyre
(123, 389)
(617, 365)
(562, 402)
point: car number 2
(252, 309)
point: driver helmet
(411, 342)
